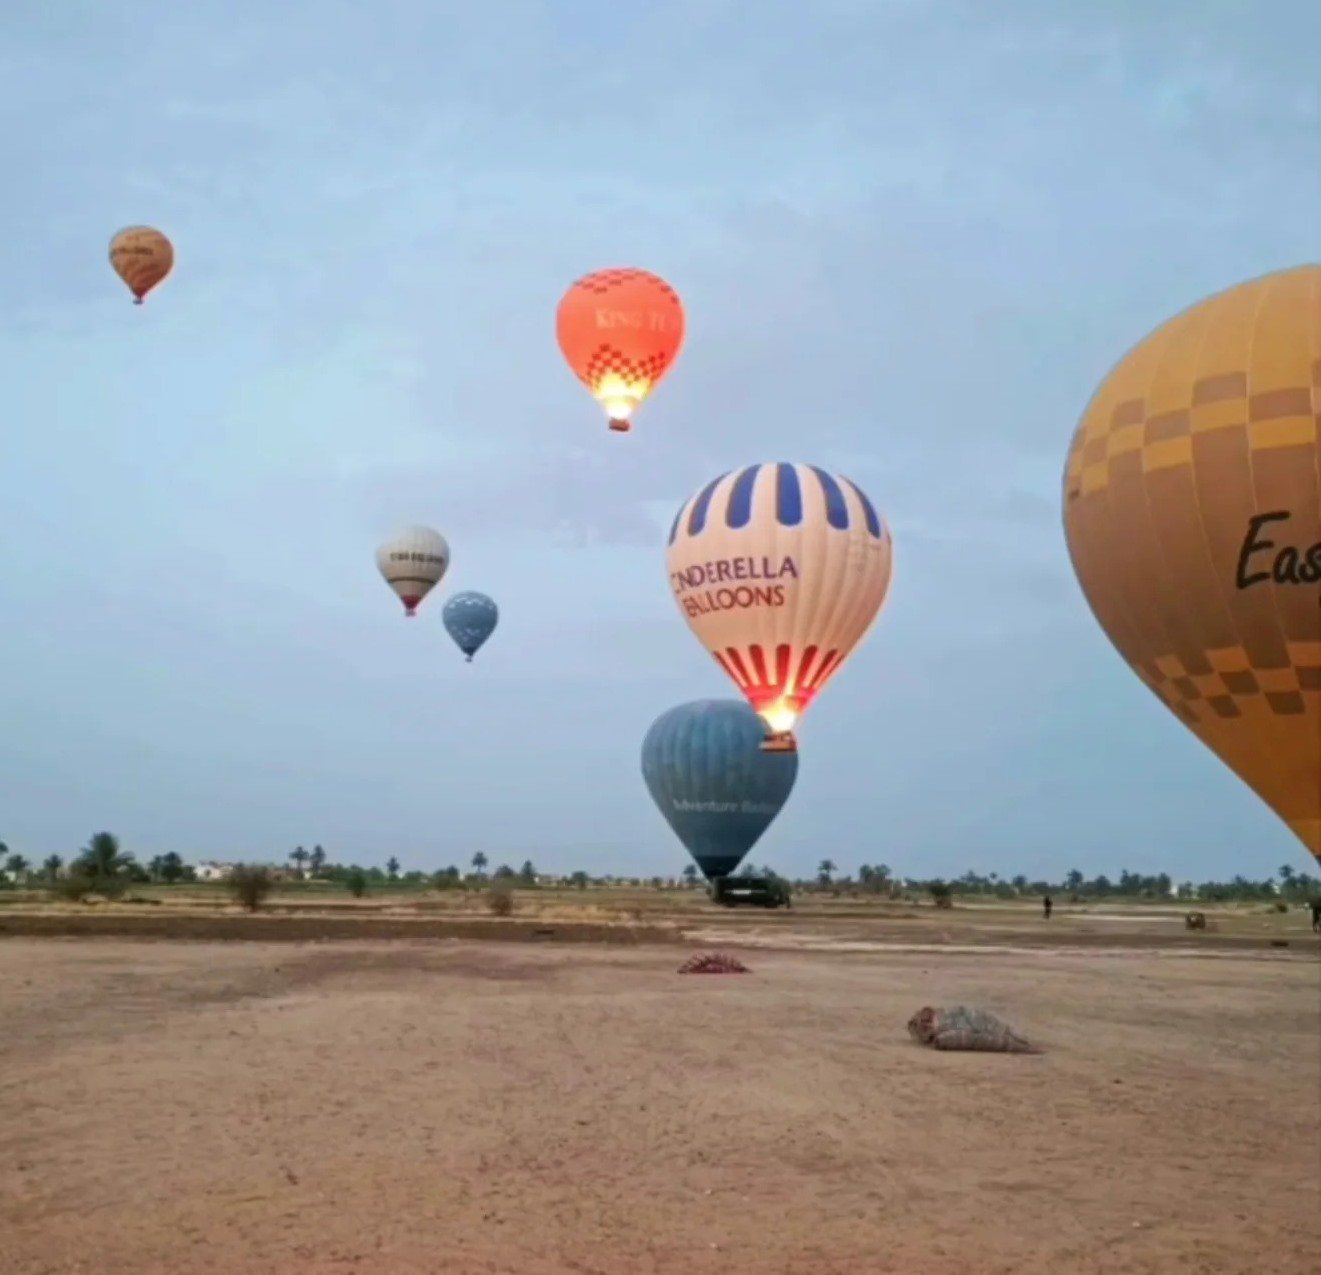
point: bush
(500, 899)
(250, 886)
(74, 888)
(356, 881)
(942, 894)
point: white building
(213, 871)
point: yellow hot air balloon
(1192, 509)
(142, 257)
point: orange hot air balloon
(620, 330)
(142, 257)
(1192, 509)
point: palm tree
(690, 874)
(479, 863)
(825, 871)
(52, 867)
(317, 859)
(102, 858)
(392, 867)
(299, 856)
(16, 866)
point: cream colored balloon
(780, 570)
(413, 563)
(141, 257)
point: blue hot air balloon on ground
(717, 788)
(470, 618)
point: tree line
(103, 866)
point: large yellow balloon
(141, 256)
(1192, 508)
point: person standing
(1046, 906)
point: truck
(757, 892)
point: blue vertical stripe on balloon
(788, 496)
(868, 512)
(739, 512)
(837, 512)
(697, 518)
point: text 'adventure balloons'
(141, 256)
(706, 771)
(413, 563)
(1192, 510)
(470, 618)
(620, 331)
(779, 570)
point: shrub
(942, 894)
(356, 881)
(250, 886)
(500, 899)
(73, 888)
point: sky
(911, 239)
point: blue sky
(911, 238)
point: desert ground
(384, 1087)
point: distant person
(1046, 906)
(1316, 916)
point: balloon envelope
(779, 570)
(717, 789)
(470, 618)
(620, 331)
(1192, 510)
(413, 563)
(141, 256)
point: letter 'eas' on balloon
(620, 331)
(705, 770)
(141, 256)
(470, 618)
(780, 570)
(413, 563)
(1192, 510)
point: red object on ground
(713, 963)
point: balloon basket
(620, 427)
(780, 742)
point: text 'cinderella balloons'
(779, 570)
(470, 618)
(706, 771)
(1192, 510)
(413, 563)
(620, 331)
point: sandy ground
(448, 1107)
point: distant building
(213, 871)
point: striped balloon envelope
(780, 570)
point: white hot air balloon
(779, 570)
(413, 563)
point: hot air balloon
(717, 789)
(1192, 510)
(141, 257)
(779, 570)
(413, 563)
(470, 618)
(620, 330)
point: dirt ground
(450, 1107)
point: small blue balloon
(704, 766)
(470, 618)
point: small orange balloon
(620, 331)
(142, 257)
